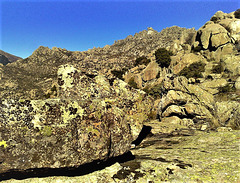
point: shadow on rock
(146, 130)
(66, 171)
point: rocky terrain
(63, 111)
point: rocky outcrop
(186, 104)
(228, 114)
(92, 118)
(181, 60)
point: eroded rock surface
(92, 119)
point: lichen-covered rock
(185, 103)
(91, 119)
(213, 35)
(184, 60)
(228, 114)
(150, 72)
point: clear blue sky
(83, 24)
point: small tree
(132, 83)
(218, 69)
(163, 57)
(237, 13)
(194, 70)
(142, 61)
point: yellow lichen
(46, 131)
(64, 72)
(66, 113)
(3, 143)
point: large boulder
(213, 36)
(186, 103)
(92, 118)
(228, 113)
(180, 61)
(150, 72)
(237, 83)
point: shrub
(142, 61)
(189, 38)
(196, 49)
(119, 73)
(227, 88)
(163, 57)
(238, 46)
(194, 70)
(132, 83)
(155, 91)
(217, 69)
(237, 13)
(152, 115)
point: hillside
(38, 72)
(6, 58)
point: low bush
(227, 88)
(132, 83)
(163, 57)
(152, 115)
(237, 13)
(217, 69)
(196, 49)
(194, 70)
(155, 91)
(119, 73)
(189, 38)
(142, 61)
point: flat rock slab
(171, 157)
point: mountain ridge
(6, 58)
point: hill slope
(6, 58)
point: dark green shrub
(189, 38)
(196, 49)
(132, 83)
(163, 57)
(118, 73)
(155, 91)
(142, 61)
(217, 69)
(238, 46)
(152, 115)
(214, 19)
(237, 13)
(194, 70)
(227, 88)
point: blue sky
(83, 24)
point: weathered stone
(228, 114)
(213, 35)
(173, 110)
(216, 83)
(232, 64)
(173, 119)
(180, 61)
(237, 83)
(150, 72)
(90, 120)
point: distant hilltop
(6, 58)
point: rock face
(185, 103)
(91, 119)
